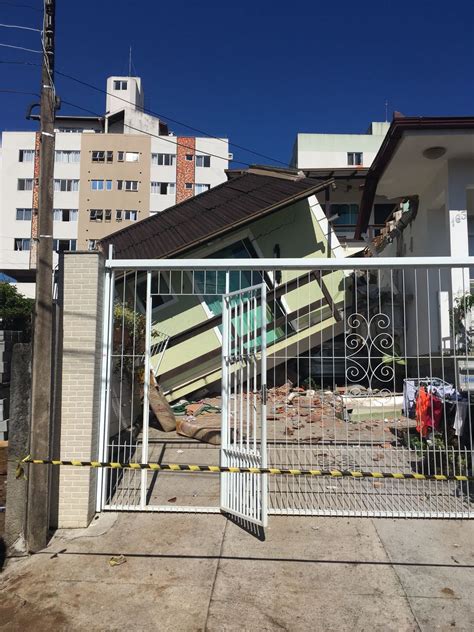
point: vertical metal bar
(263, 436)
(146, 392)
(225, 393)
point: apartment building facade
(346, 158)
(110, 172)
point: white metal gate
(349, 348)
(244, 423)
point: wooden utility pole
(41, 395)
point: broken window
(203, 161)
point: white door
(244, 420)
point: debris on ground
(117, 560)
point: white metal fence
(347, 364)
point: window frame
(29, 152)
(352, 158)
(203, 158)
(23, 219)
(25, 180)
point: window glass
(203, 161)
(200, 188)
(26, 155)
(25, 184)
(23, 214)
(347, 214)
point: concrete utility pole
(40, 441)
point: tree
(15, 310)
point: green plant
(462, 306)
(16, 310)
(130, 337)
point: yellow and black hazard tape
(178, 467)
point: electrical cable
(164, 138)
(16, 26)
(29, 50)
(168, 118)
(147, 110)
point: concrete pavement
(202, 572)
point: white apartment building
(110, 171)
(346, 158)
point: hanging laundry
(429, 412)
(461, 414)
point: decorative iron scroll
(374, 343)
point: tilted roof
(234, 203)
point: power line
(29, 50)
(58, 72)
(163, 116)
(34, 94)
(16, 26)
(164, 138)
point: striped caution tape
(177, 467)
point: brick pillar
(82, 306)
(185, 169)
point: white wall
(11, 198)
(313, 151)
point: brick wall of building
(185, 169)
(82, 304)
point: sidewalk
(202, 572)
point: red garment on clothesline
(429, 411)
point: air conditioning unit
(230, 156)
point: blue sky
(257, 72)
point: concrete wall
(113, 200)
(82, 304)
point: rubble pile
(298, 406)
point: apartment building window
(203, 161)
(120, 85)
(127, 185)
(61, 245)
(21, 243)
(189, 157)
(355, 158)
(163, 188)
(347, 214)
(67, 156)
(132, 156)
(101, 185)
(92, 244)
(188, 186)
(24, 214)
(200, 188)
(66, 186)
(65, 214)
(163, 160)
(102, 156)
(25, 184)
(26, 155)
(126, 215)
(96, 215)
